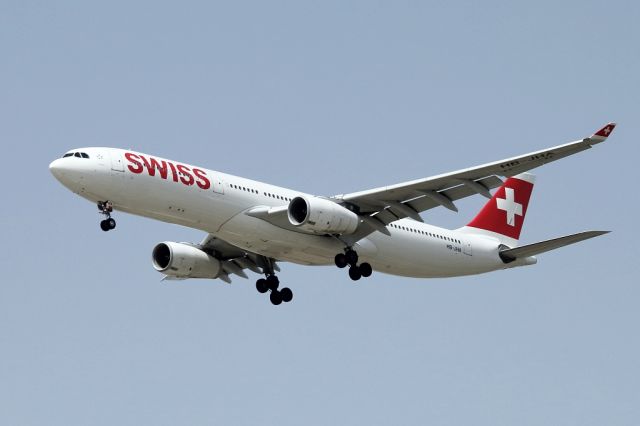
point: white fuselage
(216, 203)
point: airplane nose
(56, 168)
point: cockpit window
(76, 154)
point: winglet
(602, 134)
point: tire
(273, 282)
(365, 269)
(340, 260)
(111, 223)
(262, 286)
(104, 225)
(352, 257)
(354, 273)
(286, 294)
(275, 297)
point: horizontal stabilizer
(510, 255)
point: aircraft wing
(381, 206)
(235, 260)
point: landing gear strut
(271, 283)
(105, 208)
(350, 257)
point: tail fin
(503, 215)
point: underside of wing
(234, 260)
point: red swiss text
(167, 170)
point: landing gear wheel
(105, 208)
(286, 294)
(354, 273)
(273, 282)
(275, 297)
(262, 286)
(365, 269)
(341, 260)
(352, 257)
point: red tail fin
(504, 213)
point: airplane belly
(430, 258)
(261, 237)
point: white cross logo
(607, 130)
(509, 205)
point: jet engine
(184, 261)
(321, 216)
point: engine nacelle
(321, 216)
(184, 261)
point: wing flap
(510, 255)
(422, 200)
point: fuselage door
(117, 165)
(217, 185)
(466, 248)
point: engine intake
(184, 261)
(321, 216)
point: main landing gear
(350, 257)
(105, 208)
(271, 283)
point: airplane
(252, 225)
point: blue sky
(324, 97)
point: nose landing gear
(271, 283)
(105, 208)
(350, 257)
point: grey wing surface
(234, 260)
